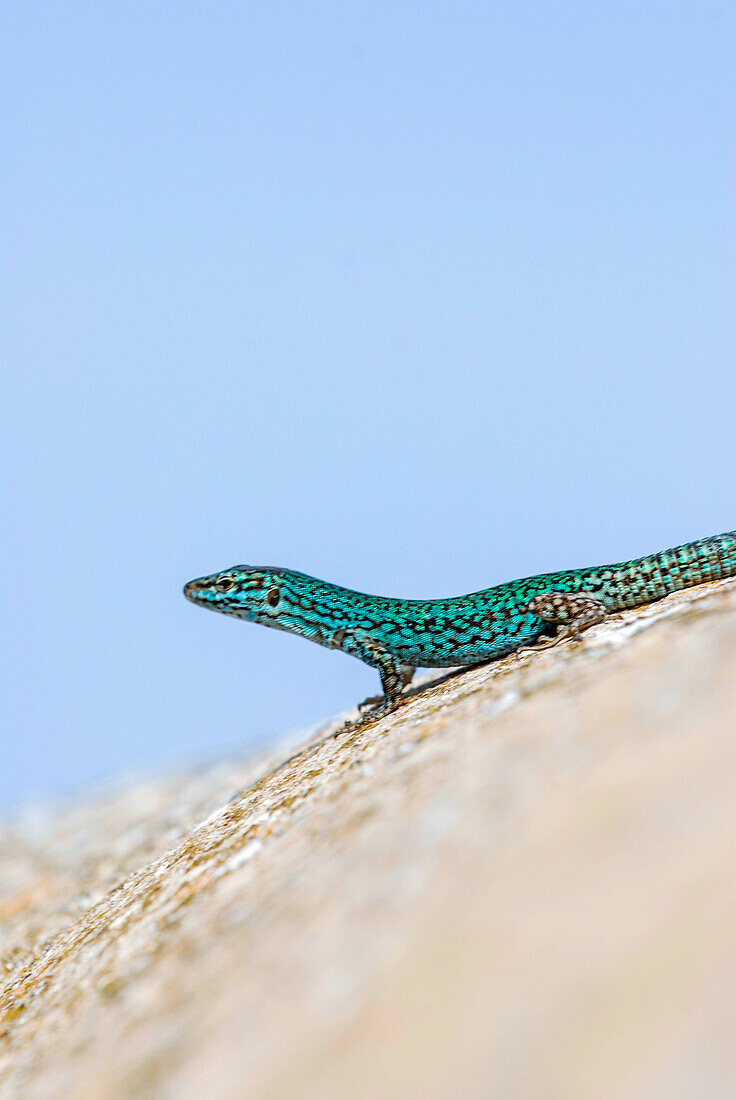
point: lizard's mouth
(204, 593)
(193, 590)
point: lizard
(395, 636)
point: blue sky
(414, 297)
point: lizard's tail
(657, 575)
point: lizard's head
(246, 591)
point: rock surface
(521, 884)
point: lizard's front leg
(390, 669)
(572, 612)
(407, 672)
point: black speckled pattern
(388, 633)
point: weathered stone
(520, 884)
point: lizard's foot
(378, 705)
(371, 703)
(536, 647)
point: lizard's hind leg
(571, 612)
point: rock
(520, 884)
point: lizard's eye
(273, 596)
(224, 584)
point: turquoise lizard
(395, 636)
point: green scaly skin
(395, 635)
